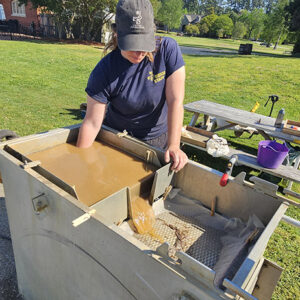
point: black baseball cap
(135, 25)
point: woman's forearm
(175, 95)
(175, 120)
(91, 123)
(87, 134)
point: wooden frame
(287, 127)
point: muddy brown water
(142, 214)
(96, 172)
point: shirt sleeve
(173, 56)
(98, 86)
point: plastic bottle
(279, 119)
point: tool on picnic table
(228, 171)
(255, 107)
(274, 99)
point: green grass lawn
(42, 86)
(228, 44)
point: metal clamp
(83, 218)
(31, 164)
(264, 186)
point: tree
(293, 20)
(222, 27)
(234, 17)
(239, 30)
(205, 25)
(257, 4)
(58, 10)
(203, 29)
(239, 5)
(156, 4)
(246, 5)
(275, 28)
(254, 21)
(192, 6)
(170, 13)
(90, 15)
(269, 5)
(208, 7)
(236, 5)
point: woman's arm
(92, 123)
(174, 96)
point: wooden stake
(213, 206)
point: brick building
(25, 14)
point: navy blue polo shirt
(136, 92)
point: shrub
(192, 29)
(222, 26)
(203, 28)
(206, 24)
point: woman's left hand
(178, 156)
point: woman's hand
(178, 157)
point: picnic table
(264, 126)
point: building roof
(193, 18)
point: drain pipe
(224, 180)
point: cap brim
(137, 42)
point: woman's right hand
(179, 158)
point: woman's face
(134, 57)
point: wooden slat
(290, 122)
(200, 131)
(195, 139)
(287, 129)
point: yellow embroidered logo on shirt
(156, 77)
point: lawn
(42, 86)
(229, 44)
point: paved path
(8, 279)
(205, 51)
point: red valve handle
(224, 179)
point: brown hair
(113, 44)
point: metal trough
(66, 248)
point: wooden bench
(264, 125)
(199, 137)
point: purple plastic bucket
(271, 154)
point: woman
(142, 80)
